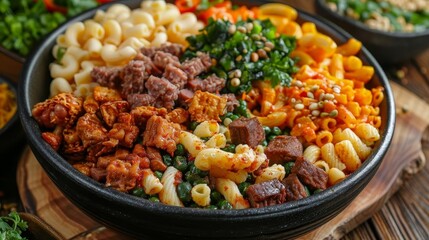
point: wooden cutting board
(405, 158)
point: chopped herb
(12, 226)
(250, 47)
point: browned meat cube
(133, 78)
(312, 176)
(143, 113)
(90, 130)
(266, 193)
(110, 111)
(284, 149)
(162, 134)
(121, 175)
(206, 106)
(104, 94)
(294, 188)
(246, 131)
(155, 158)
(61, 110)
(107, 76)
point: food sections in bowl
(245, 114)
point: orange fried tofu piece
(104, 94)
(206, 106)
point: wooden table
(404, 215)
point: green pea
(200, 180)
(166, 158)
(154, 199)
(139, 192)
(264, 143)
(215, 196)
(276, 131)
(180, 150)
(158, 174)
(211, 207)
(271, 137)
(184, 191)
(267, 130)
(229, 148)
(223, 204)
(241, 109)
(243, 188)
(180, 163)
(192, 125)
(226, 115)
(191, 177)
(193, 169)
(234, 117)
(288, 167)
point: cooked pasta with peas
(214, 107)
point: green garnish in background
(12, 226)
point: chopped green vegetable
(399, 18)
(245, 52)
(12, 226)
(24, 23)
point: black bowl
(11, 134)
(145, 219)
(387, 47)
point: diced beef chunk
(172, 48)
(175, 75)
(162, 59)
(133, 77)
(195, 66)
(211, 84)
(164, 92)
(231, 102)
(295, 190)
(246, 131)
(206, 106)
(312, 176)
(138, 100)
(266, 193)
(148, 51)
(162, 134)
(284, 149)
(150, 67)
(185, 96)
(62, 110)
(107, 76)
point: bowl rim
(12, 86)
(62, 166)
(321, 4)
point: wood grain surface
(41, 197)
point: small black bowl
(147, 220)
(11, 134)
(387, 47)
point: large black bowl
(387, 47)
(145, 219)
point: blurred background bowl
(11, 134)
(387, 47)
(146, 220)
